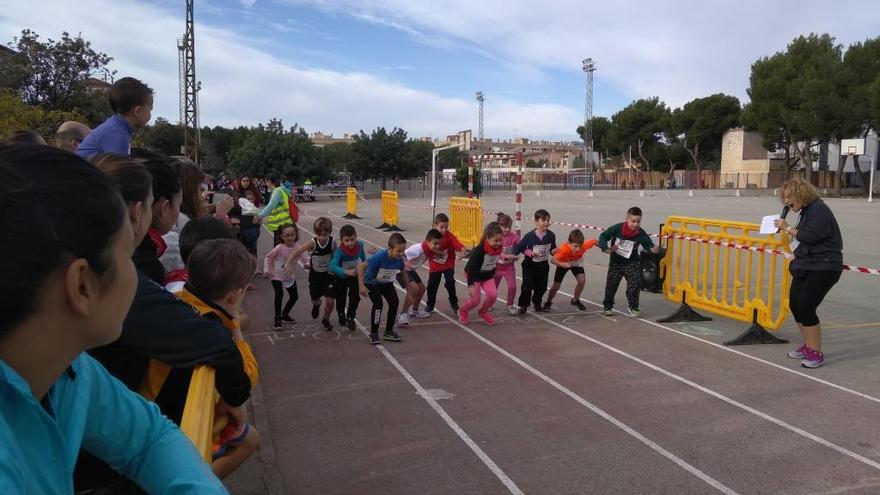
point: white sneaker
(403, 319)
(422, 314)
(412, 312)
(513, 310)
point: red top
(448, 246)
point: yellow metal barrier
(466, 220)
(351, 203)
(197, 422)
(390, 212)
(725, 267)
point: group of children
(341, 272)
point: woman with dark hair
(24, 137)
(167, 197)
(246, 186)
(192, 205)
(817, 265)
(65, 259)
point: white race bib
(279, 266)
(386, 274)
(350, 264)
(794, 245)
(578, 263)
(321, 263)
(625, 248)
(489, 262)
(441, 258)
(540, 252)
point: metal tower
(189, 88)
(588, 66)
(480, 100)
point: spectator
(65, 246)
(25, 137)
(245, 186)
(167, 197)
(196, 230)
(277, 211)
(192, 205)
(132, 104)
(70, 134)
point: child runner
(348, 256)
(537, 246)
(321, 281)
(416, 255)
(443, 265)
(505, 269)
(480, 271)
(571, 258)
(376, 278)
(273, 269)
(625, 239)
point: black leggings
(808, 289)
(279, 297)
(377, 292)
(434, 285)
(534, 283)
(347, 291)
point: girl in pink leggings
(480, 270)
(506, 269)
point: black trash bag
(650, 265)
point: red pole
(519, 171)
(470, 177)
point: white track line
(577, 398)
(713, 344)
(717, 395)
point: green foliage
(601, 127)
(639, 125)
(461, 176)
(861, 75)
(16, 115)
(50, 73)
(272, 149)
(451, 159)
(218, 142)
(701, 123)
(161, 136)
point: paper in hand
(767, 226)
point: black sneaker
(392, 336)
(548, 305)
(315, 310)
(287, 319)
(522, 310)
(351, 324)
(374, 338)
(578, 304)
(342, 320)
(429, 310)
(276, 323)
(540, 309)
(326, 324)
(455, 308)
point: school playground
(570, 401)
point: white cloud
(244, 85)
(248, 3)
(675, 49)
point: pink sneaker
(487, 318)
(463, 316)
(813, 359)
(799, 353)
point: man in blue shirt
(132, 104)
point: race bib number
(386, 275)
(440, 259)
(577, 263)
(540, 252)
(794, 245)
(350, 264)
(321, 263)
(625, 248)
(489, 263)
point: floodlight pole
(871, 187)
(434, 154)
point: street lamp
(589, 66)
(434, 154)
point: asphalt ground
(565, 402)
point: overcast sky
(341, 66)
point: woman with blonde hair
(818, 262)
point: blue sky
(344, 65)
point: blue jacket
(342, 261)
(88, 408)
(381, 269)
(112, 136)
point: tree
(16, 115)
(461, 176)
(217, 144)
(270, 149)
(861, 69)
(531, 163)
(638, 125)
(52, 72)
(418, 157)
(601, 127)
(701, 123)
(451, 159)
(798, 96)
(161, 136)
(381, 154)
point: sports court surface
(571, 401)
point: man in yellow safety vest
(277, 211)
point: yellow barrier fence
(351, 203)
(197, 422)
(727, 268)
(390, 212)
(466, 220)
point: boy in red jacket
(443, 265)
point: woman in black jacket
(818, 262)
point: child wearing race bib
(538, 247)
(274, 270)
(376, 278)
(416, 256)
(571, 258)
(625, 239)
(321, 281)
(442, 265)
(505, 269)
(348, 256)
(480, 270)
